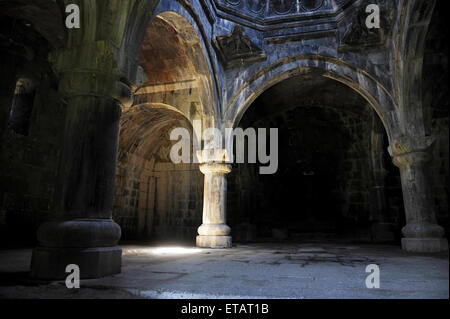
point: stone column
(421, 234)
(214, 232)
(83, 232)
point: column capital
(221, 168)
(407, 152)
(97, 56)
(91, 70)
(411, 159)
(402, 144)
(92, 83)
(213, 156)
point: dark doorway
(333, 180)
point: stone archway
(421, 233)
(215, 232)
(155, 199)
(365, 85)
(333, 166)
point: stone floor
(246, 271)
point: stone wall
(163, 201)
(178, 201)
(28, 166)
(436, 104)
(131, 203)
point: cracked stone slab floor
(262, 271)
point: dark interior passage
(335, 179)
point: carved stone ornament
(236, 48)
(359, 36)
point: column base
(425, 245)
(214, 241)
(50, 263)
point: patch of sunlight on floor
(161, 251)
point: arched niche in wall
(155, 198)
(22, 107)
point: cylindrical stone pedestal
(89, 244)
(214, 233)
(421, 234)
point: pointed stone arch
(358, 80)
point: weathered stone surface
(264, 270)
(49, 263)
(425, 245)
(237, 49)
(213, 233)
(207, 241)
(79, 234)
(359, 37)
(150, 66)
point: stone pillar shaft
(89, 156)
(214, 233)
